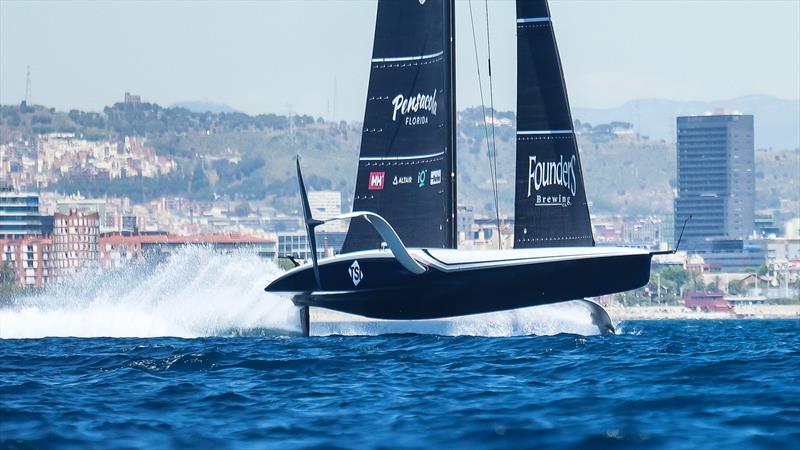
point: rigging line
(494, 143)
(492, 167)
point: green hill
(236, 156)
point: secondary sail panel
(405, 162)
(550, 199)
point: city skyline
(166, 53)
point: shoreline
(751, 312)
(621, 313)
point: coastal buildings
(116, 250)
(716, 177)
(642, 232)
(28, 258)
(295, 243)
(75, 236)
(66, 154)
(326, 205)
(19, 214)
(77, 203)
(466, 222)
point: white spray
(196, 292)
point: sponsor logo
(376, 181)
(553, 200)
(355, 273)
(551, 173)
(421, 177)
(402, 180)
(408, 107)
(436, 176)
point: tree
(7, 274)
(8, 283)
(242, 209)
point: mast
(453, 125)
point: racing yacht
(400, 258)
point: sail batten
(550, 207)
(400, 158)
(533, 19)
(408, 58)
(406, 161)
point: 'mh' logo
(376, 181)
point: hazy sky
(270, 56)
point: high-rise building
(716, 178)
(75, 237)
(19, 214)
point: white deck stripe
(533, 19)
(408, 58)
(398, 158)
(538, 132)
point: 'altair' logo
(413, 104)
(543, 174)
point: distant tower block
(28, 86)
(132, 99)
(716, 177)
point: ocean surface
(86, 366)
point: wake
(197, 292)
(568, 317)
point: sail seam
(399, 158)
(407, 64)
(544, 137)
(533, 19)
(558, 238)
(408, 58)
(539, 132)
(402, 162)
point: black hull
(387, 291)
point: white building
(89, 205)
(782, 250)
(326, 205)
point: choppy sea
(87, 365)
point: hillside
(777, 121)
(236, 156)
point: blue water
(666, 384)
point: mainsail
(406, 169)
(550, 208)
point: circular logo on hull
(355, 273)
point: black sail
(406, 161)
(550, 208)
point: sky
(312, 56)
